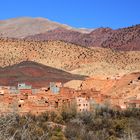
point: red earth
(35, 74)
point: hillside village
(24, 98)
(59, 82)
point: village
(23, 99)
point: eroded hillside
(69, 57)
(126, 39)
(33, 73)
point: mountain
(125, 39)
(93, 39)
(26, 26)
(41, 29)
(35, 74)
(69, 57)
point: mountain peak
(22, 27)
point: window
(19, 105)
(79, 104)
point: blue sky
(77, 13)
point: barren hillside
(121, 39)
(127, 86)
(26, 26)
(69, 57)
(95, 38)
(35, 74)
(41, 29)
(124, 39)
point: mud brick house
(25, 89)
(1, 92)
(24, 99)
(4, 90)
(55, 87)
(133, 104)
(83, 104)
(13, 90)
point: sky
(76, 13)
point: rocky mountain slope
(41, 29)
(122, 39)
(35, 74)
(95, 38)
(69, 57)
(26, 26)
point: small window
(79, 104)
(19, 105)
(83, 104)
